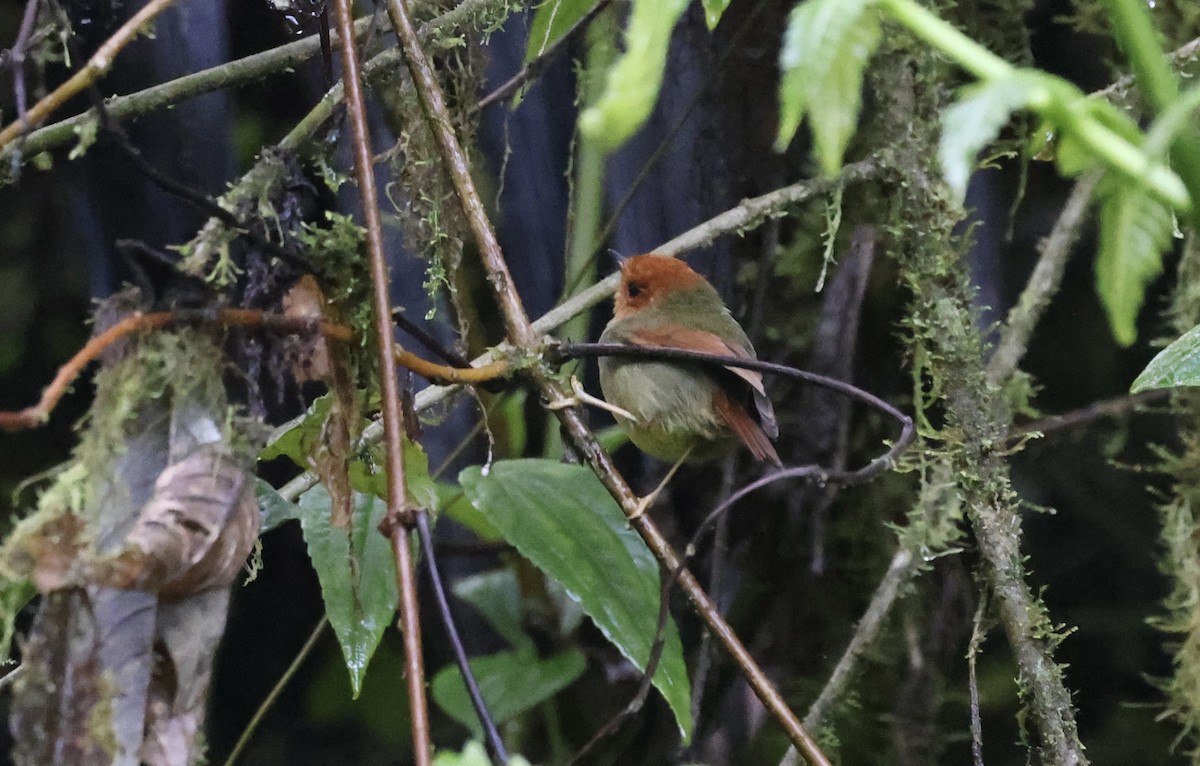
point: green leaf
(454, 504)
(636, 75)
(1075, 157)
(562, 519)
(1135, 229)
(367, 475)
(825, 50)
(552, 20)
(511, 683)
(497, 597)
(1176, 366)
(473, 754)
(297, 438)
(974, 121)
(713, 9)
(357, 574)
(275, 508)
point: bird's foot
(583, 397)
(644, 503)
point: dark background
(1095, 554)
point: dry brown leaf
(193, 534)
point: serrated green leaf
(1135, 229)
(366, 475)
(713, 10)
(357, 574)
(1176, 366)
(825, 50)
(510, 682)
(454, 504)
(552, 20)
(275, 508)
(295, 439)
(497, 597)
(973, 122)
(562, 519)
(635, 77)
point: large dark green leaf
(511, 683)
(497, 597)
(562, 519)
(357, 574)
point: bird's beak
(620, 259)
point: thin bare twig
(37, 414)
(495, 745)
(398, 523)
(235, 73)
(1115, 407)
(1043, 283)
(534, 68)
(276, 690)
(95, 68)
(19, 49)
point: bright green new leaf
(1175, 366)
(1135, 229)
(825, 50)
(635, 77)
(562, 519)
(713, 10)
(552, 20)
(974, 121)
(357, 574)
(510, 682)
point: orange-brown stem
(36, 415)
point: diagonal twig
(95, 68)
(524, 336)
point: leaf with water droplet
(357, 574)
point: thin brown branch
(1043, 283)
(400, 516)
(534, 68)
(297, 661)
(35, 415)
(523, 335)
(1115, 407)
(95, 68)
(19, 50)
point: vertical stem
(434, 103)
(400, 515)
(523, 335)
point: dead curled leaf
(193, 534)
(316, 358)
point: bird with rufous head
(677, 410)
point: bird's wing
(690, 339)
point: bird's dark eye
(633, 289)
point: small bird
(682, 410)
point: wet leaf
(562, 519)
(357, 574)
